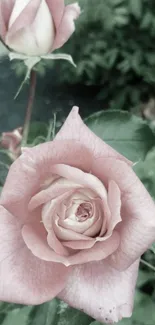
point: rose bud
(11, 141)
(36, 27)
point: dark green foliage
(114, 48)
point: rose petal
(101, 291)
(79, 177)
(75, 129)
(25, 17)
(57, 8)
(54, 207)
(35, 238)
(34, 167)
(79, 244)
(6, 7)
(41, 250)
(114, 203)
(66, 234)
(106, 217)
(67, 26)
(94, 229)
(20, 280)
(99, 251)
(54, 190)
(137, 229)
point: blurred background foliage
(113, 47)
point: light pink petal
(67, 25)
(137, 229)
(57, 8)
(34, 167)
(6, 7)
(90, 227)
(49, 214)
(79, 244)
(54, 207)
(99, 251)
(75, 129)
(101, 291)
(35, 238)
(79, 227)
(114, 203)
(2, 25)
(56, 244)
(5, 12)
(54, 190)
(24, 278)
(25, 18)
(79, 177)
(66, 234)
(36, 241)
(106, 217)
(94, 230)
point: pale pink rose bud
(36, 27)
(11, 141)
(74, 221)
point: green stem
(33, 79)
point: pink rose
(11, 141)
(36, 27)
(75, 220)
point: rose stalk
(33, 79)
(33, 29)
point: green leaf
(144, 311)
(18, 316)
(55, 312)
(45, 314)
(147, 20)
(126, 133)
(71, 316)
(136, 8)
(144, 277)
(6, 307)
(146, 172)
(59, 56)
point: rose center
(84, 212)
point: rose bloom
(75, 220)
(36, 27)
(11, 141)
